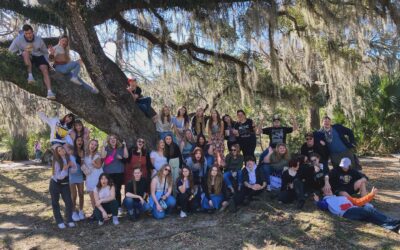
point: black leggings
(248, 145)
(118, 180)
(288, 196)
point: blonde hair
(160, 174)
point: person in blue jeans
(60, 55)
(215, 191)
(233, 167)
(161, 201)
(144, 102)
(135, 194)
(356, 209)
(275, 162)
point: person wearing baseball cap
(144, 102)
(347, 181)
(277, 133)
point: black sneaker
(300, 204)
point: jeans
(118, 180)
(144, 105)
(73, 68)
(135, 206)
(57, 189)
(268, 171)
(216, 200)
(170, 201)
(370, 214)
(110, 207)
(38, 154)
(228, 175)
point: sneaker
(269, 188)
(100, 223)
(31, 80)
(75, 216)
(61, 226)
(50, 95)
(119, 211)
(183, 214)
(75, 80)
(81, 215)
(115, 220)
(71, 224)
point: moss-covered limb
(37, 14)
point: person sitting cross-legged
(355, 209)
(254, 181)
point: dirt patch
(26, 221)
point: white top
(89, 160)
(58, 132)
(59, 50)
(159, 160)
(104, 192)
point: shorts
(39, 60)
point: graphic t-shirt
(277, 135)
(245, 129)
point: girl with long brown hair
(186, 191)
(215, 192)
(59, 185)
(216, 134)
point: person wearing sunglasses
(314, 147)
(138, 157)
(161, 201)
(233, 168)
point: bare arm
(111, 197)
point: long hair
(279, 156)
(82, 133)
(57, 158)
(163, 115)
(160, 175)
(211, 121)
(169, 149)
(202, 159)
(185, 139)
(133, 179)
(69, 125)
(190, 177)
(109, 181)
(88, 150)
(66, 49)
(77, 150)
(217, 181)
(185, 115)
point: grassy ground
(26, 221)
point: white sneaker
(75, 80)
(183, 214)
(31, 80)
(61, 226)
(71, 224)
(75, 216)
(101, 223)
(50, 95)
(115, 220)
(94, 91)
(120, 211)
(81, 215)
(268, 188)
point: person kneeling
(215, 191)
(254, 180)
(356, 209)
(292, 185)
(104, 196)
(135, 193)
(161, 199)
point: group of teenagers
(188, 171)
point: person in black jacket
(253, 179)
(339, 140)
(314, 146)
(215, 191)
(346, 181)
(292, 184)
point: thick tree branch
(190, 47)
(36, 14)
(297, 27)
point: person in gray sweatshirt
(34, 52)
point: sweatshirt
(19, 44)
(58, 131)
(338, 205)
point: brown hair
(210, 120)
(217, 181)
(163, 115)
(136, 167)
(109, 181)
(278, 156)
(58, 159)
(118, 145)
(161, 172)
(202, 159)
(190, 177)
